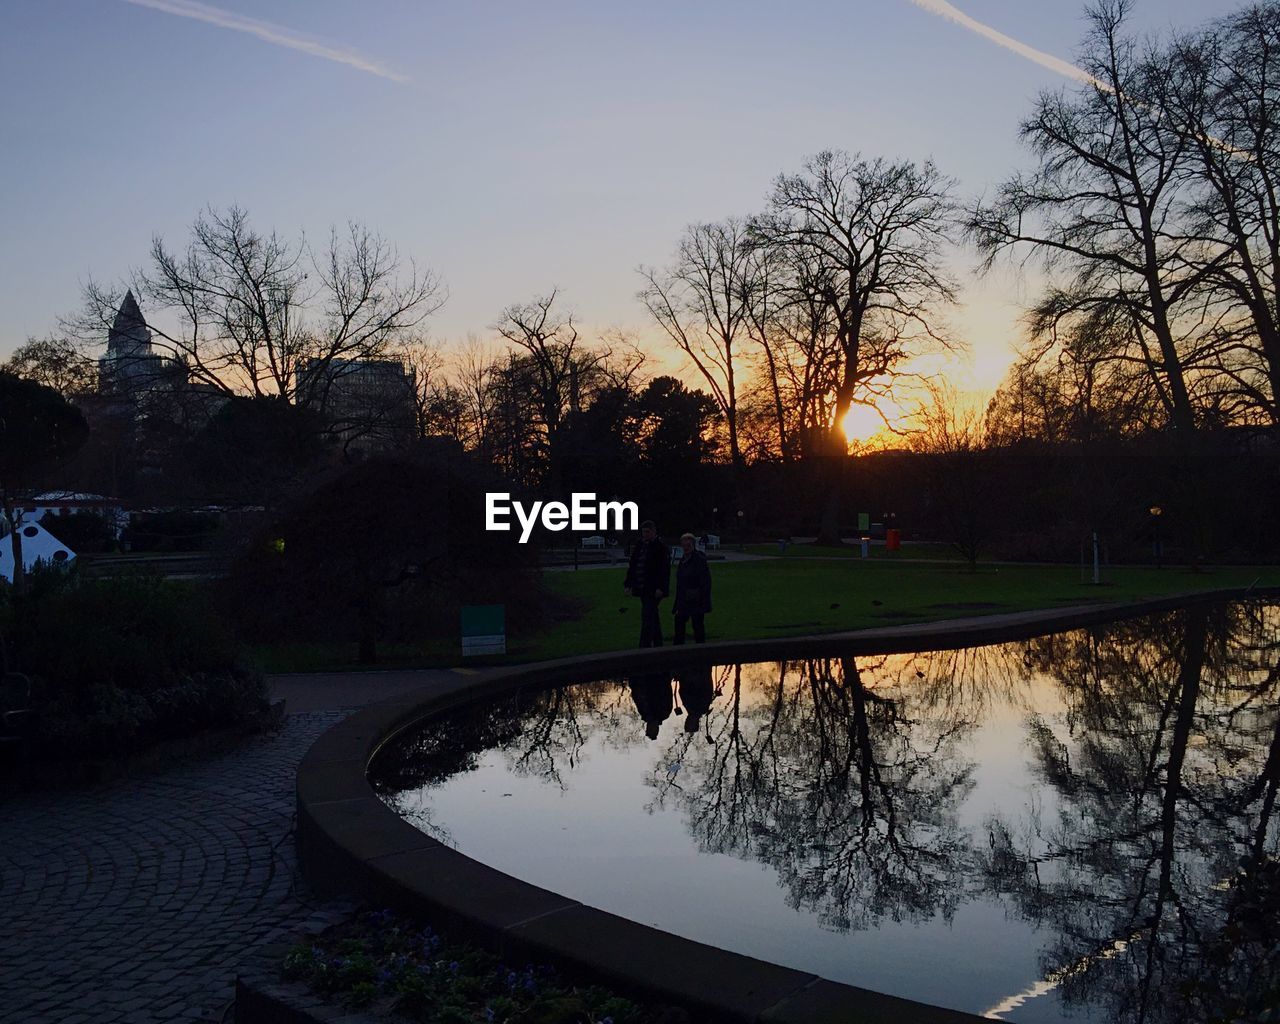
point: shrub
(385, 551)
(123, 662)
(82, 532)
(171, 531)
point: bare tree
(1224, 106)
(875, 235)
(253, 313)
(1102, 210)
(368, 305)
(1079, 384)
(555, 372)
(439, 405)
(702, 302)
(951, 440)
(767, 291)
(474, 372)
(623, 365)
(789, 404)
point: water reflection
(697, 694)
(848, 793)
(1156, 876)
(1108, 793)
(652, 697)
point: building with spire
(131, 368)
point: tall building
(369, 403)
(132, 368)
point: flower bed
(393, 966)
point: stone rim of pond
(349, 841)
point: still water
(1077, 827)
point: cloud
(1046, 60)
(268, 33)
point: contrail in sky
(1045, 60)
(268, 33)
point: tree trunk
(15, 540)
(1188, 689)
(833, 469)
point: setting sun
(862, 423)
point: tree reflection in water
(848, 792)
(1144, 854)
(1158, 878)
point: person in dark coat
(649, 578)
(693, 591)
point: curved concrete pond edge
(350, 842)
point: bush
(82, 532)
(121, 663)
(171, 531)
(385, 551)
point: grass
(797, 596)
(910, 550)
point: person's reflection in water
(696, 694)
(653, 699)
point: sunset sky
(510, 146)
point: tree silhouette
(38, 429)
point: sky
(510, 146)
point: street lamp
(1157, 549)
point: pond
(1075, 827)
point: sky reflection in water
(993, 829)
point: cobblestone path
(136, 901)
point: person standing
(693, 591)
(649, 578)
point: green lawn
(910, 550)
(792, 596)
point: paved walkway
(136, 901)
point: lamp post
(1157, 549)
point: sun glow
(861, 424)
